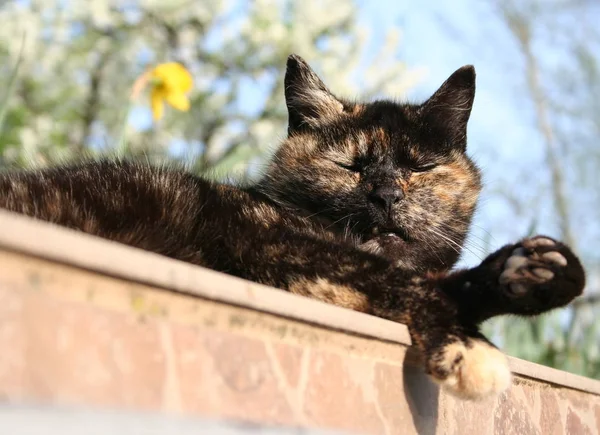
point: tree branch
(92, 102)
(522, 32)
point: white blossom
(235, 50)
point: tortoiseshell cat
(363, 206)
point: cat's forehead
(389, 124)
(390, 129)
(387, 114)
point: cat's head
(379, 169)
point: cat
(364, 205)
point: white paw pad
(555, 257)
(477, 371)
(516, 269)
(539, 241)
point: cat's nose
(386, 196)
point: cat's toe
(470, 370)
(543, 270)
(525, 268)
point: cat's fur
(364, 206)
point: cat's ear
(447, 111)
(308, 100)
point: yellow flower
(170, 83)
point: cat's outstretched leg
(456, 356)
(531, 277)
(441, 310)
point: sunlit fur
(365, 206)
(339, 152)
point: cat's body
(364, 206)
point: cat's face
(380, 169)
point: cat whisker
(467, 241)
(450, 243)
(453, 244)
(341, 219)
(432, 249)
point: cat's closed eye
(423, 168)
(352, 167)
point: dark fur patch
(365, 206)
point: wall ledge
(50, 275)
(51, 242)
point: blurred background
(67, 69)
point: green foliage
(81, 59)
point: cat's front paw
(541, 274)
(472, 369)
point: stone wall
(89, 323)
